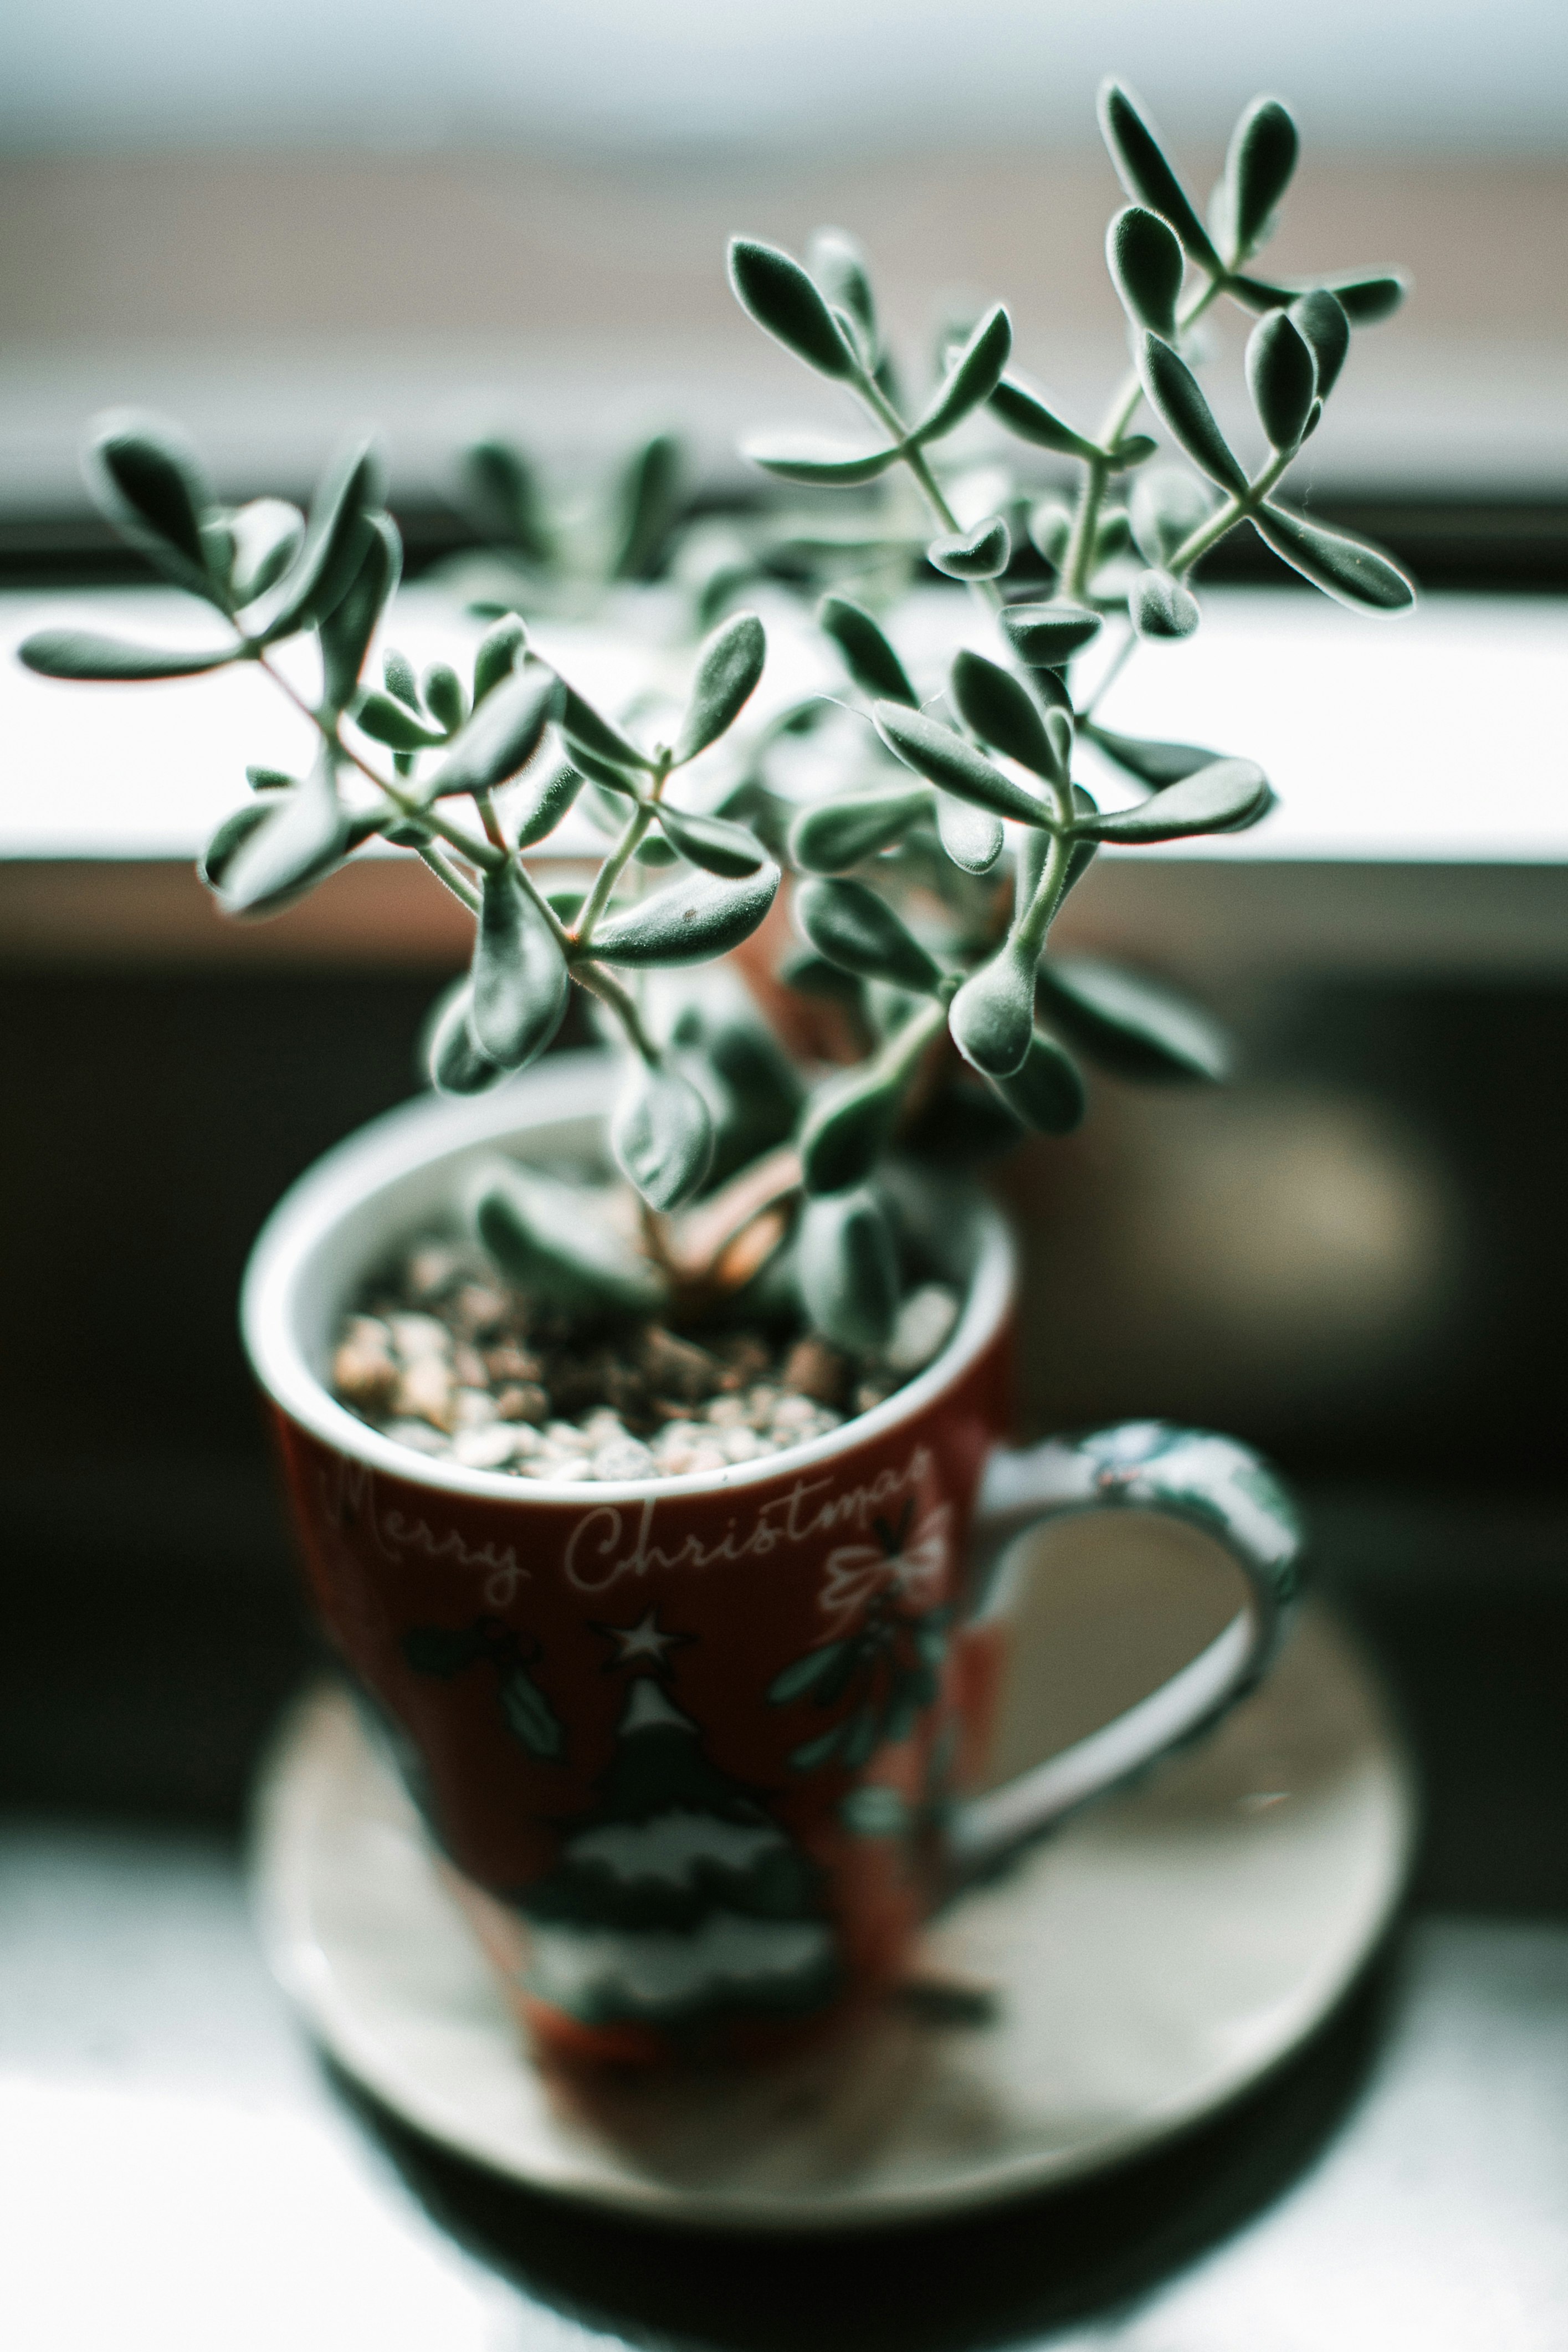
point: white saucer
(1146, 1965)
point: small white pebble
(923, 1327)
(485, 1446)
(566, 1437)
(623, 1458)
(472, 1408)
(740, 1444)
(418, 1336)
(424, 1392)
(419, 1436)
(726, 1413)
(761, 1401)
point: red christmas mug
(700, 1751)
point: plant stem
(985, 592)
(622, 1004)
(446, 872)
(615, 865)
(1224, 517)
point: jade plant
(932, 828)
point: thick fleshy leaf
(866, 653)
(982, 553)
(1048, 1092)
(992, 1017)
(457, 1063)
(501, 489)
(348, 628)
(145, 475)
(1367, 295)
(816, 975)
(728, 669)
(1147, 267)
(586, 732)
(1320, 318)
(546, 800)
(847, 922)
(973, 377)
(846, 1128)
(520, 983)
(1044, 637)
(833, 834)
(1219, 798)
(783, 300)
(547, 1239)
(847, 1269)
(818, 462)
(501, 737)
(83, 654)
(945, 759)
(1168, 505)
(1132, 449)
(1160, 606)
(399, 674)
(1176, 397)
(1257, 168)
(1282, 377)
(443, 694)
(1146, 176)
(1347, 569)
(336, 536)
(1001, 712)
(387, 720)
(498, 653)
(712, 841)
(1023, 412)
(1051, 527)
(970, 835)
(1131, 1025)
(692, 921)
(835, 261)
(221, 849)
(646, 504)
(662, 1135)
(1152, 761)
(267, 535)
(305, 834)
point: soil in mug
(443, 1357)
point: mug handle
(1209, 1482)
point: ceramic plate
(1147, 1964)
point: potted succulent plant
(571, 1384)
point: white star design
(646, 1639)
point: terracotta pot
(698, 1751)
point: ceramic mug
(701, 1752)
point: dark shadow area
(1010, 2273)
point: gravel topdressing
(444, 1359)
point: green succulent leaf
(1258, 166)
(1044, 637)
(1050, 529)
(773, 288)
(1152, 761)
(348, 628)
(846, 1128)
(81, 654)
(1147, 267)
(1224, 797)
(1002, 711)
(520, 983)
(501, 489)
(833, 834)
(662, 1135)
(443, 694)
(692, 921)
(992, 1017)
(1047, 1092)
(971, 380)
(982, 553)
(802, 1675)
(1366, 296)
(304, 836)
(815, 975)
(547, 797)
(1178, 399)
(266, 536)
(945, 759)
(388, 720)
(221, 849)
(1133, 449)
(336, 536)
(817, 461)
(866, 653)
(728, 669)
(847, 922)
(969, 836)
(646, 504)
(501, 737)
(548, 1240)
(498, 653)
(1024, 412)
(1160, 606)
(847, 1269)
(1282, 377)
(712, 841)
(146, 477)
(457, 1063)
(586, 732)
(1147, 176)
(270, 779)
(838, 265)
(397, 672)
(1168, 505)
(1133, 1026)
(1319, 319)
(1350, 570)
(1112, 537)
